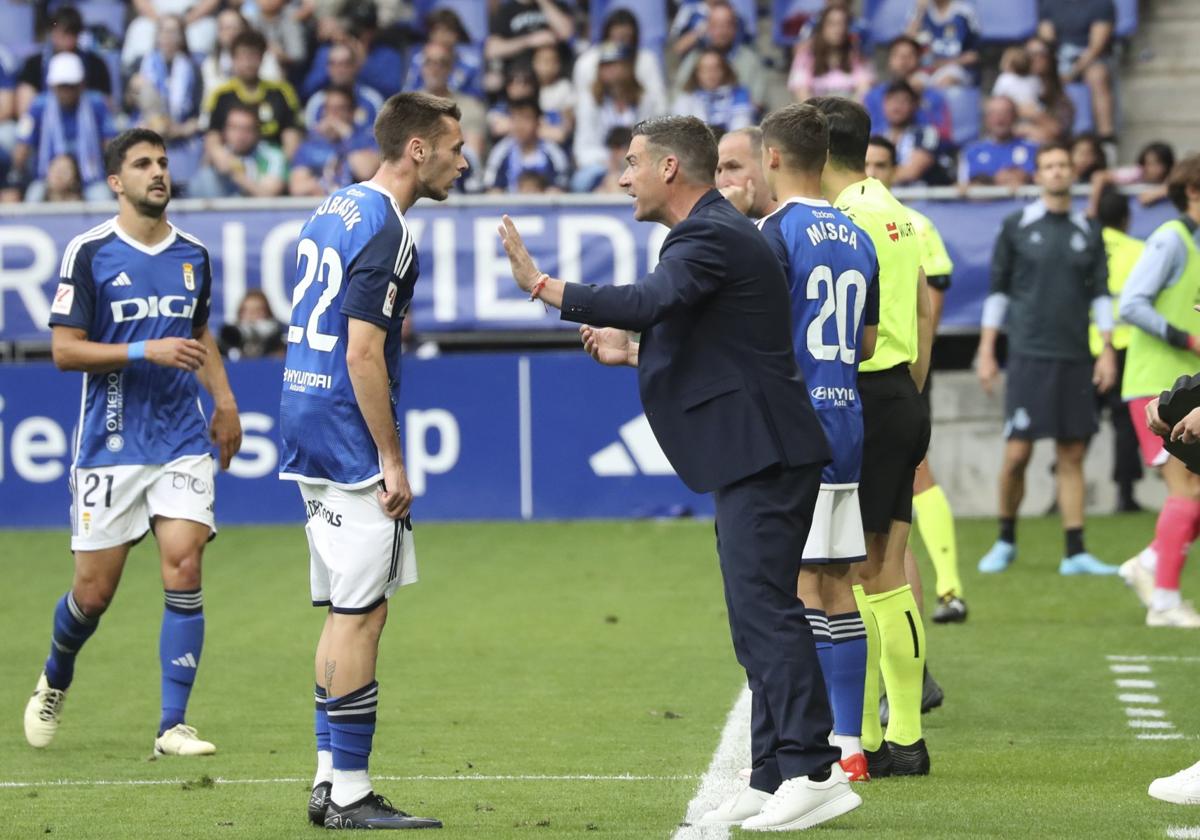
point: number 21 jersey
(355, 258)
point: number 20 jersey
(833, 279)
(355, 258)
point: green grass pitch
(576, 649)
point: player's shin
(180, 644)
(321, 726)
(872, 732)
(71, 629)
(351, 730)
(848, 680)
(902, 661)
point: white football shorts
(358, 556)
(836, 535)
(112, 506)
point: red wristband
(538, 285)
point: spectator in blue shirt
(689, 25)
(337, 153)
(66, 121)
(904, 65)
(445, 27)
(382, 66)
(999, 157)
(922, 157)
(342, 69)
(522, 152)
(950, 35)
(1083, 30)
(713, 94)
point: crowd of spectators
(264, 98)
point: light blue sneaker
(1085, 564)
(999, 557)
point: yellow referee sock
(901, 661)
(872, 731)
(935, 521)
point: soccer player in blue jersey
(131, 313)
(833, 275)
(339, 422)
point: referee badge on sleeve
(189, 277)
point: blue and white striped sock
(71, 629)
(351, 730)
(179, 647)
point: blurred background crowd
(262, 98)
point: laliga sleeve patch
(64, 299)
(389, 300)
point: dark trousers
(762, 525)
(1127, 455)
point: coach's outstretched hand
(523, 269)
(182, 353)
(396, 496)
(609, 346)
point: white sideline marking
(1183, 832)
(1139, 711)
(1139, 723)
(1112, 657)
(623, 777)
(1138, 698)
(1116, 658)
(1160, 736)
(720, 780)
(1129, 669)
(1136, 684)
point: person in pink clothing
(830, 63)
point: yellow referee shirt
(935, 259)
(889, 224)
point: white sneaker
(181, 740)
(1183, 788)
(1181, 615)
(42, 713)
(742, 805)
(801, 803)
(1138, 578)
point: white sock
(1165, 599)
(324, 767)
(848, 744)
(349, 786)
(1148, 558)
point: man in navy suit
(725, 398)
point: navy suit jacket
(716, 370)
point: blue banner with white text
(497, 436)
(465, 282)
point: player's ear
(417, 150)
(669, 167)
(114, 184)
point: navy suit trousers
(762, 526)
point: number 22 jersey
(833, 279)
(355, 258)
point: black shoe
(932, 695)
(373, 811)
(950, 610)
(879, 762)
(318, 803)
(908, 761)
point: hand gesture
(1186, 430)
(182, 353)
(606, 345)
(742, 197)
(226, 433)
(396, 496)
(1104, 374)
(1154, 422)
(988, 371)
(523, 269)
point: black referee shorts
(1049, 398)
(895, 439)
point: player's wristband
(538, 285)
(137, 350)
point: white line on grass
(721, 780)
(1129, 669)
(1183, 832)
(1141, 711)
(1138, 698)
(1116, 658)
(621, 777)
(1140, 723)
(1161, 736)
(1136, 684)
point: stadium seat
(782, 10)
(1013, 20)
(107, 13)
(472, 13)
(965, 113)
(1081, 98)
(1127, 18)
(886, 19)
(747, 12)
(651, 15)
(17, 32)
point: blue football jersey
(833, 277)
(355, 258)
(118, 290)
